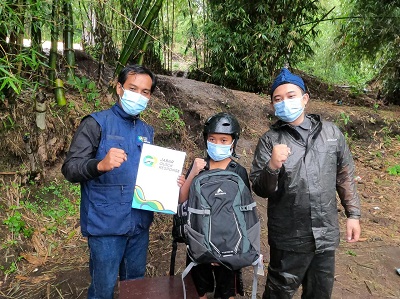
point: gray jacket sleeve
(345, 184)
(80, 164)
(264, 180)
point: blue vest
(106, 201)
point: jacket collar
(315, 120)
(316, 127)
(117, 109)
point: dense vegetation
(371, 33)
(237, 44)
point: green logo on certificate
(149, 161)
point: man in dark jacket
(299, 165)
(104, 158)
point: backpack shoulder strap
(232, 166)
(173, 256)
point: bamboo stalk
(68, 41)
(54, 40)
(134, 38)
(40, 109)
(139, 17)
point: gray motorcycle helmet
(222, 123)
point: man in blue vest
(104, 157)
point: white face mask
(289, 110)
(219, 152)
(132, 102)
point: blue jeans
(111, 256)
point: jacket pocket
(109, 211)
(114, 141)
(327, 159)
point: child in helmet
(221, 134)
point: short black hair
(137, 69)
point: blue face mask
(219, 152)
(132, 102)
(289, 110)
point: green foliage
(371, 33)
(342, 122)
(351, 252)
(10, 78)
(19, 67)
(53, 202)
(50, 209)
(394, 170)
(86, 88)
(246, 41)
(8, 243)
(12, 268)
(8, 123)
(344, 119)
(172, 118)
(328, 61)
(49, 202)
(16, 225)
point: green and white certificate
(156, 186)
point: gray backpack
(222, 225)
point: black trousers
(223, 282)
(288, 270)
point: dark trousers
(288, 270)
(223, 282)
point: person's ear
(306, 97)
(119, 89)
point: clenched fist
(280, 153)
(114, 158)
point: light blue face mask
(132, 102)
(219, 152)
(289, 110)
